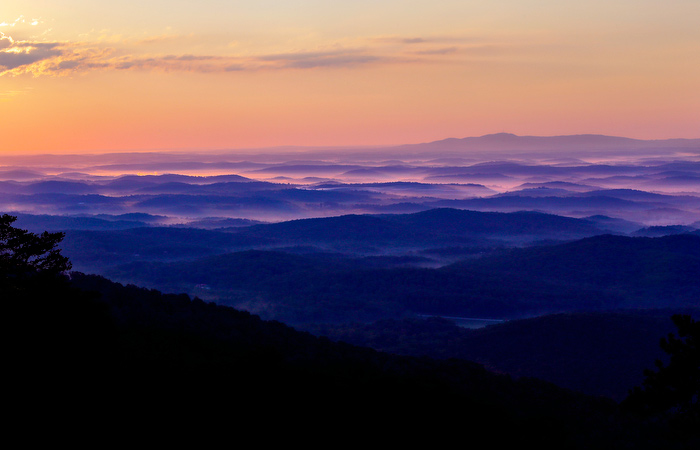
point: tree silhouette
(673, 388)
(25, 253)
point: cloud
(61, 58)
(337, 61)
(22, 26)
(5, 41)
(333, 58)
(18, 54)
(437, 51)
(19, 57)
(420, 40)
(6, 95)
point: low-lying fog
(650, 183)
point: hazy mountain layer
(649, 182)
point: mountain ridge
(574, 141)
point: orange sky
(85, 75)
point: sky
(93, 76)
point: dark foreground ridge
(89, 353)
(597, 353)
(111, 349)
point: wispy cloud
(437, 51)
(442, 40)
(332, 58)
(21, 20)
(412, 40)
(17, 54)
(7, 95)
(45, 58)
(61, 58)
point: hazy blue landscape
(377, 223)
(513, 261)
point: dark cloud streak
(18, 54)
(437, 51)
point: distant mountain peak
(580, 142)
(499, 136)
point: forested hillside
(110, 350)
(599, 353)
(594, 274)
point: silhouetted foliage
(672, 390)
(22, 252)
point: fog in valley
(650, 183)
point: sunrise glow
(83, 76)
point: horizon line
(302, 148)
